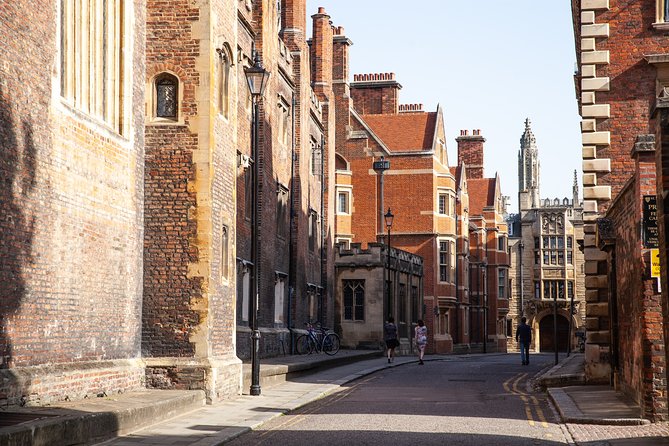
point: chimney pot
(321, 10)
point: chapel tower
(528, 170)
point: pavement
(592, 415)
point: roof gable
(404, 132)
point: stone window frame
(95, 75)
(283, 120)
(226, 62)
(282, 211)
(501, 283)
(446, 202)
(446, 259)
(353, 307)
(313, 230)
(225, 252)
(153, 117)
(280, 284)
(661, 14)
(347, 193)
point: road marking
(511, 386)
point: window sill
(661, 26)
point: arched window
(225, 57)
(166, 88)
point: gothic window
(92, 62)
(225, 56)
(316, 158)
(554, 289)
(313, 230)
(354, 300)
(279, 298)
(225, 240)
(248, 193)
(167, 96)
(281, 211)
(283, 121)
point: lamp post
(388, 217)
(521, 310)
(256, 77)
(485, 306)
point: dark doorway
(546, 334)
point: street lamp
(388, 217)
(256, 76)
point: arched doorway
(547, 335)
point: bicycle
(318, 339)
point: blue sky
(490, 64)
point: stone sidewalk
(598, 415)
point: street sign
(381, 165)
(654, 263)
(649, 222)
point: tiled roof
(481, 194)
(405, 132)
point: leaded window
(354, 299)
(167, 93)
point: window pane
(166, 92)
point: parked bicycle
(318, 339)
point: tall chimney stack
(470, 152)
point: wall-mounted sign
(649, 232)
(654, 263)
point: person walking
(524, 338)
(390, 336)
(421, 340)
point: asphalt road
(478, 400)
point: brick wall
(639, 361)
(71, 232)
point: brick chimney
(294, 22)
(470, 152)
(376, 93)
(321, 53)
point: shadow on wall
(17, 174)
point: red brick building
(621, 50)
(484, 230)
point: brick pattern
(71, 228)
(641, 367)
(612, 39)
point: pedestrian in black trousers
(524, 338)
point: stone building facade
(360, 312)
(621, 79)
(547, 280)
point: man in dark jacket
(524, 338)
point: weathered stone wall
(71, 234)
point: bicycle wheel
(304, 345)
(331, 344)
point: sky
(489, 64)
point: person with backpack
(390, 336)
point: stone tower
(528, 170)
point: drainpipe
(323, 272)
(291, 266)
